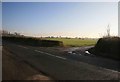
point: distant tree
(76, 37)
(17, 34)
(4, 32)
(80, 38)
(60, 37)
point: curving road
(60, 67)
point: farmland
(75, 42)
(67, 42)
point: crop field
(74, 42)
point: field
(74, 42)
(49, 42)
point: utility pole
(108, 30)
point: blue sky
(60, 0)
(1, 16)
(72, 19)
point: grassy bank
(74, 42)
(107, 47)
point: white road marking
(87, 52)
(73, 53)
(60, 57)
(50, 54)
(22, 46)
(44, 53)
(110, 70)
(39, 51)
(70, 52)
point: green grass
(75, 42)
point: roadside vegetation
(107, 47)
(32, 41)
(48, 41)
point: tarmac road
(60, 67)
(0, 59)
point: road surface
(0, 58)
(60, 67)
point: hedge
(32, 41)
(107, 47)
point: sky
(119, 19)
(1, 16)
(60, 0)
(68, 19)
